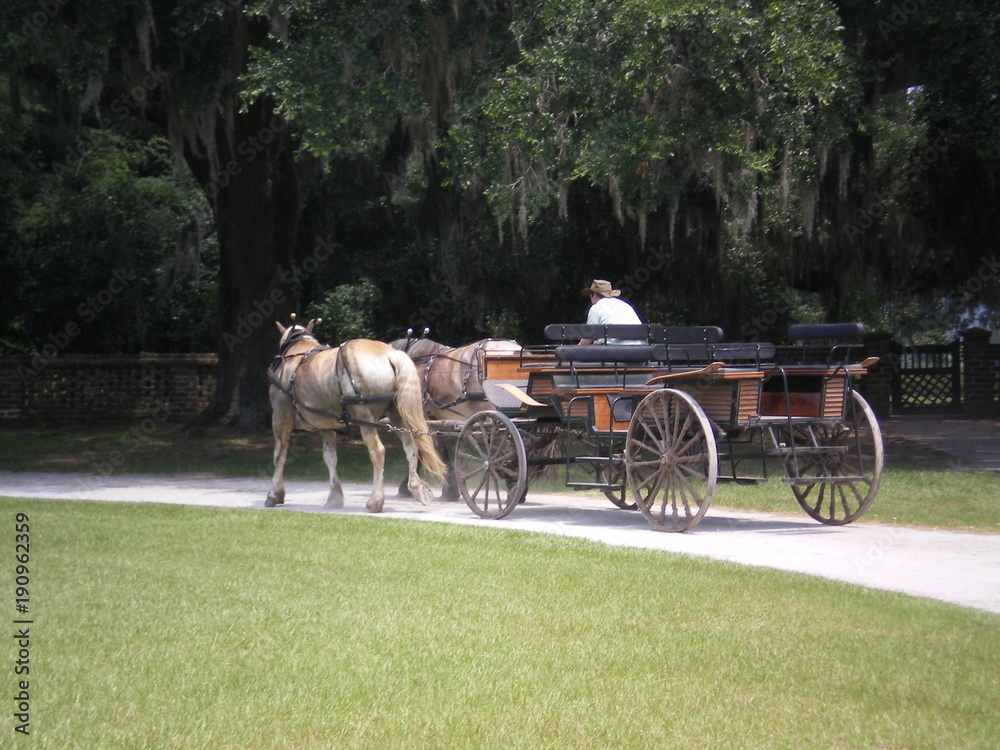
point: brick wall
(175, 386)
(981, 374)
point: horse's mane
(418, 347)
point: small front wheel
(490, 464)
(671, 460)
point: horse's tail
(409, 402)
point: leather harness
(340, 368)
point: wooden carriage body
(723, 405)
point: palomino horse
(322, 388)
(452, 380)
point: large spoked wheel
(671, 460)
(490, 464)
(837, 483)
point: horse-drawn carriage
(654, 426)
(659, 425)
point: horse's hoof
(272, 501)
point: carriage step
(741, 480)
(595, 486)
(824, 480)
(615, 460)
(785, 450)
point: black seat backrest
(604, 353)
(577, 331)
(729, 353)
(826, 331)
(832, 342)
(685, 334)
(681, 354)
(741, 352)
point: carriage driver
(607, 308)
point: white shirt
(613, 311)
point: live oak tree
(731, 161)
(176, 67)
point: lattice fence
(927, 378)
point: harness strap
(357, 399)
(345, 400)
(474, 365)
(289, 390)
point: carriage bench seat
(730, 353)
(610, 354)
(826, 331)
(649, 332)
(829, 342)
(576, 331)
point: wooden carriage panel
(834, 395)
(773, 404)
(541, 384)
(604, 419)
(512, 366)
(716, 399)
(728, 397)
(748, 400)
(811, 393)
(569, 405)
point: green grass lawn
(173, 627)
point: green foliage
(111, 245)
(643, 96)
(779, 158)
(348, 312)
(341, 70)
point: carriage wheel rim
(490, 464)
(833, 502)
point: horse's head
(295, 332)
(418, 348)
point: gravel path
(952, 567)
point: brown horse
(452, 383)
(323, 389)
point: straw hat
(603, 288)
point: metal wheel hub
(668, 463)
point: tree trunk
(255, 197)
